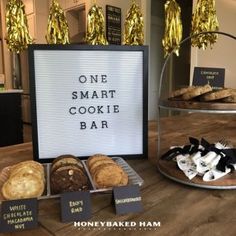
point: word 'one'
(93, 79)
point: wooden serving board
(170, 170)
(198, 105)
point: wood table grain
(181, 210)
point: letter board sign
(88, 99)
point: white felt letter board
(88, 99)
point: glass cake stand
(168, 168)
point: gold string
(18, 36)
(95, 34)
(204, 19)
(57, 29)
(173, 28)
(134, 26)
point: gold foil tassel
(173, 28)
(57, 29)
(95, 34)
(134, 26)
(18, 36)
(204, 19)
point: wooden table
(182, 210)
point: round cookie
(68, 179)
(181, 91)
(216, 95)
(24, 180)
(95, 158)
(98, 163)
(231, 98)
(27, 186)
(197, 91)
(108, 175)
(64, 160)
(29, 164)
(26, 169)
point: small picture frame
(207, 75)
(113, 24)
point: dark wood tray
(170, 170)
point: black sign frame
(209, 75)
(113, 25)
(143, 49)
(127, 199)
(83, 198)
(29, 206)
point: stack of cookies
(204, 94)
(24, 180)
(105, 172)
(67, 175)
(191, 92)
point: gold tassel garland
(95, 34)
(18, 36)
(134, 26)
(204, 19)
(57, 29)
(173, 28)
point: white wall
(156, 62)
(223, 53)
(156, 55)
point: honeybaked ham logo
(93, 95)
(118, 225)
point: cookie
(68, 179)
(95, 158)
(30, 164)
(27, 186)
(231, 98)
(197, 91)
(216, 95)
(24, 170)
(105, 172)
(5, 175)
(124, 180)
(67, 175)
(181, 91)
(93, 167)
(64, 160)
(25, 180)
(108, 175)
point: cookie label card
(19, 215)
(213, 76)
(75, 206)
(127, 199)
